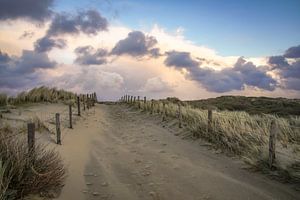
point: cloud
(27, 34)
(288, 71)
(136, 44)
(45, 44)
(277, 61)
(180, 60)
(225, 80)
(37, 10)
(87, 55)
(89, 22)
(292, 52)
(23, 71)
(156, 85)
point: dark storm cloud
(46, 44)
(293, 52)
(19, 71)
(87, 55)
(89, 22)
(37, 10)
(243, 73)
(136, 44)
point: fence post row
(31, 137)
(70, 116)
(272, 143)
(58, 133)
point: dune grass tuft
(24, 172)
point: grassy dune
(241, 134)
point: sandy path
(118, 153)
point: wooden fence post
(179, 116)
(134, 99)
(95, 96)
(145, 100)
(83, 101)
(152, 106)
(78, 106)
(87, 102)
(164, 112)
(58, 133)
(209, 121)
(70, 116)
(31, 137)
(272, 143)
(139, 103)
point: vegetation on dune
(23, 172)
(236, 132)
(40, 94)
(252, 105)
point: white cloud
(156, 84)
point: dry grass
(23, 172)
(42, 94)
(237, 132)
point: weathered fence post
(164, 112)
(31, 137)
(209, 121)
(179, 116)
(87, 102)
(145, 99)
(134, 99)
(152, 106)
(70, 116)
(272, 143)
(78, 106)
(95, 96)
(58, 133)
(83, 101)
(139, 103)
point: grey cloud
(136, 44)
(87, 55)
(243, 73)
(26, 34)
(37, 10)
(22, 71)
(46, 44)
(89, 22)
(289, 72)
(180, 60)
(277, 61)
(293, 52)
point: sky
(188, 49)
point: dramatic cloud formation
(156, 85)
(46, 44)
(37, 10)
(293, 52)
(87, 55)
(136, 44)
(20, 71)
(228, 79)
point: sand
(114, 152)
